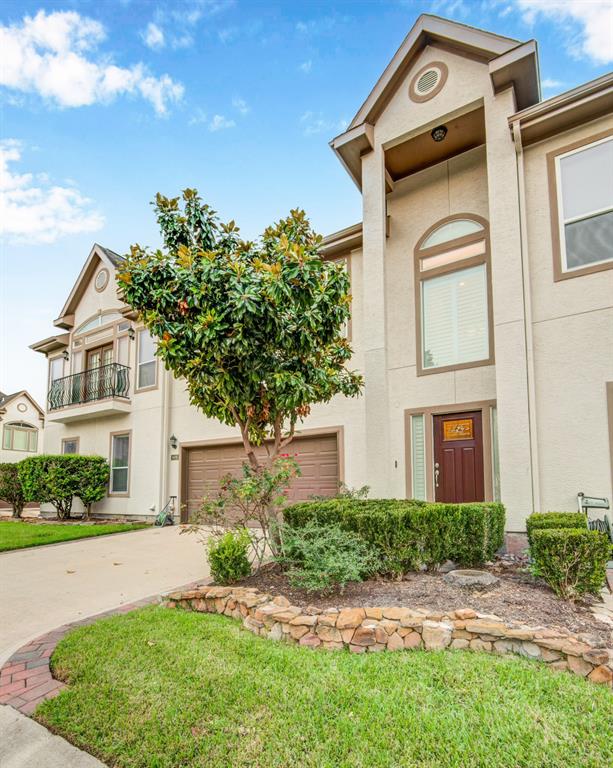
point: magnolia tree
(254, 328)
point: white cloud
(241, 106)
(594, 39)
(33, 210)
(54, 55)
(549, 84)
(306, 66)
(219, 123)
(153, 36)
(314, 123)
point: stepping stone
(471, 578)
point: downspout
(527, 300)
(165, 418)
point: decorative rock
(471, 578)
(276, 631)
(529, 649)
(485, 627)
(303, 621)
(374, 613)
(462, 634)
(281, 600)
(579, 666)
(350, 617)
(460, 643)
(364, 636)
(549, 656)
(388, 625)
(298, 631)
(436, 635)
(465, 613)
(357, 648)
(559, 666)
(329, 634)
(601, 674)
(327, 620)
(597, 656)
(395, 642)
(397, 614)
(504, 646)
(310, 640)
(412, 640)
(480, 645)
(347, 634)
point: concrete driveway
(44, 587)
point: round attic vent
(428, 81)
(102, 279)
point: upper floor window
(20, 436)
(98, 321)
(56, 369)
(452, 296)
(581, 183)
(147, 363)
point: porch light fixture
(65, 354)
(131, 333)
(439, 133)
(173, 442)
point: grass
(161, 688)
(19, 534)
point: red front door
(458, 457)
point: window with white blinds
(455, 318)
(418, 456)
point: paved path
(44, 587)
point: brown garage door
(203, 468)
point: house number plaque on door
(458, 429)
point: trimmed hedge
(542, 520)
(11, 489)
(407, 534)
(571, 560)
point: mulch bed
(517, 597)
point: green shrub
(321, 558)
(407, 533)
(228, 556)
(541, 520)
(11, 489)
(571, 560)
(57, 480)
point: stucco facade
(20, 413)
(540, 393)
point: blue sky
(102, 104)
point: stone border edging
(26, 679)
(395, 628)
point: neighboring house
(482, 312)
(21, 423)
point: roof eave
(518, 68)
(350, 146)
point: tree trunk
(17, 509)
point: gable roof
(6, 399)
(98, 252)
(426, 31)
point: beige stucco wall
(573, 341)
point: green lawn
(161, 688)
(17, 535)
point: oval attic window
(102, 279)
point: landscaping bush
(57, 480)
(571, 560)
(542, 520)
(11, 489)
(407, 533)
(228, 556)
(321, 558)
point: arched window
(453, 297)
(98, 321)
(20, 436)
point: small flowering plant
(252, 502)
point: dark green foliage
(255, 329)
(540, 520)
(228, 556)
(11, 489)
(571, 560)
(409, 533)
(321, 558)
(57, 480)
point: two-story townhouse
(22, 422)
(482, 312)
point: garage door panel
(317, 457)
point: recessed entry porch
(452, 453)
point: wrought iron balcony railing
(111, 380)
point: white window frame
(139, 362)
(127, 434)
(562, 222)
(19, 426)
(65, 441)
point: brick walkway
(26, 679)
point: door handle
(437, 472)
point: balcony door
(98, 376)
